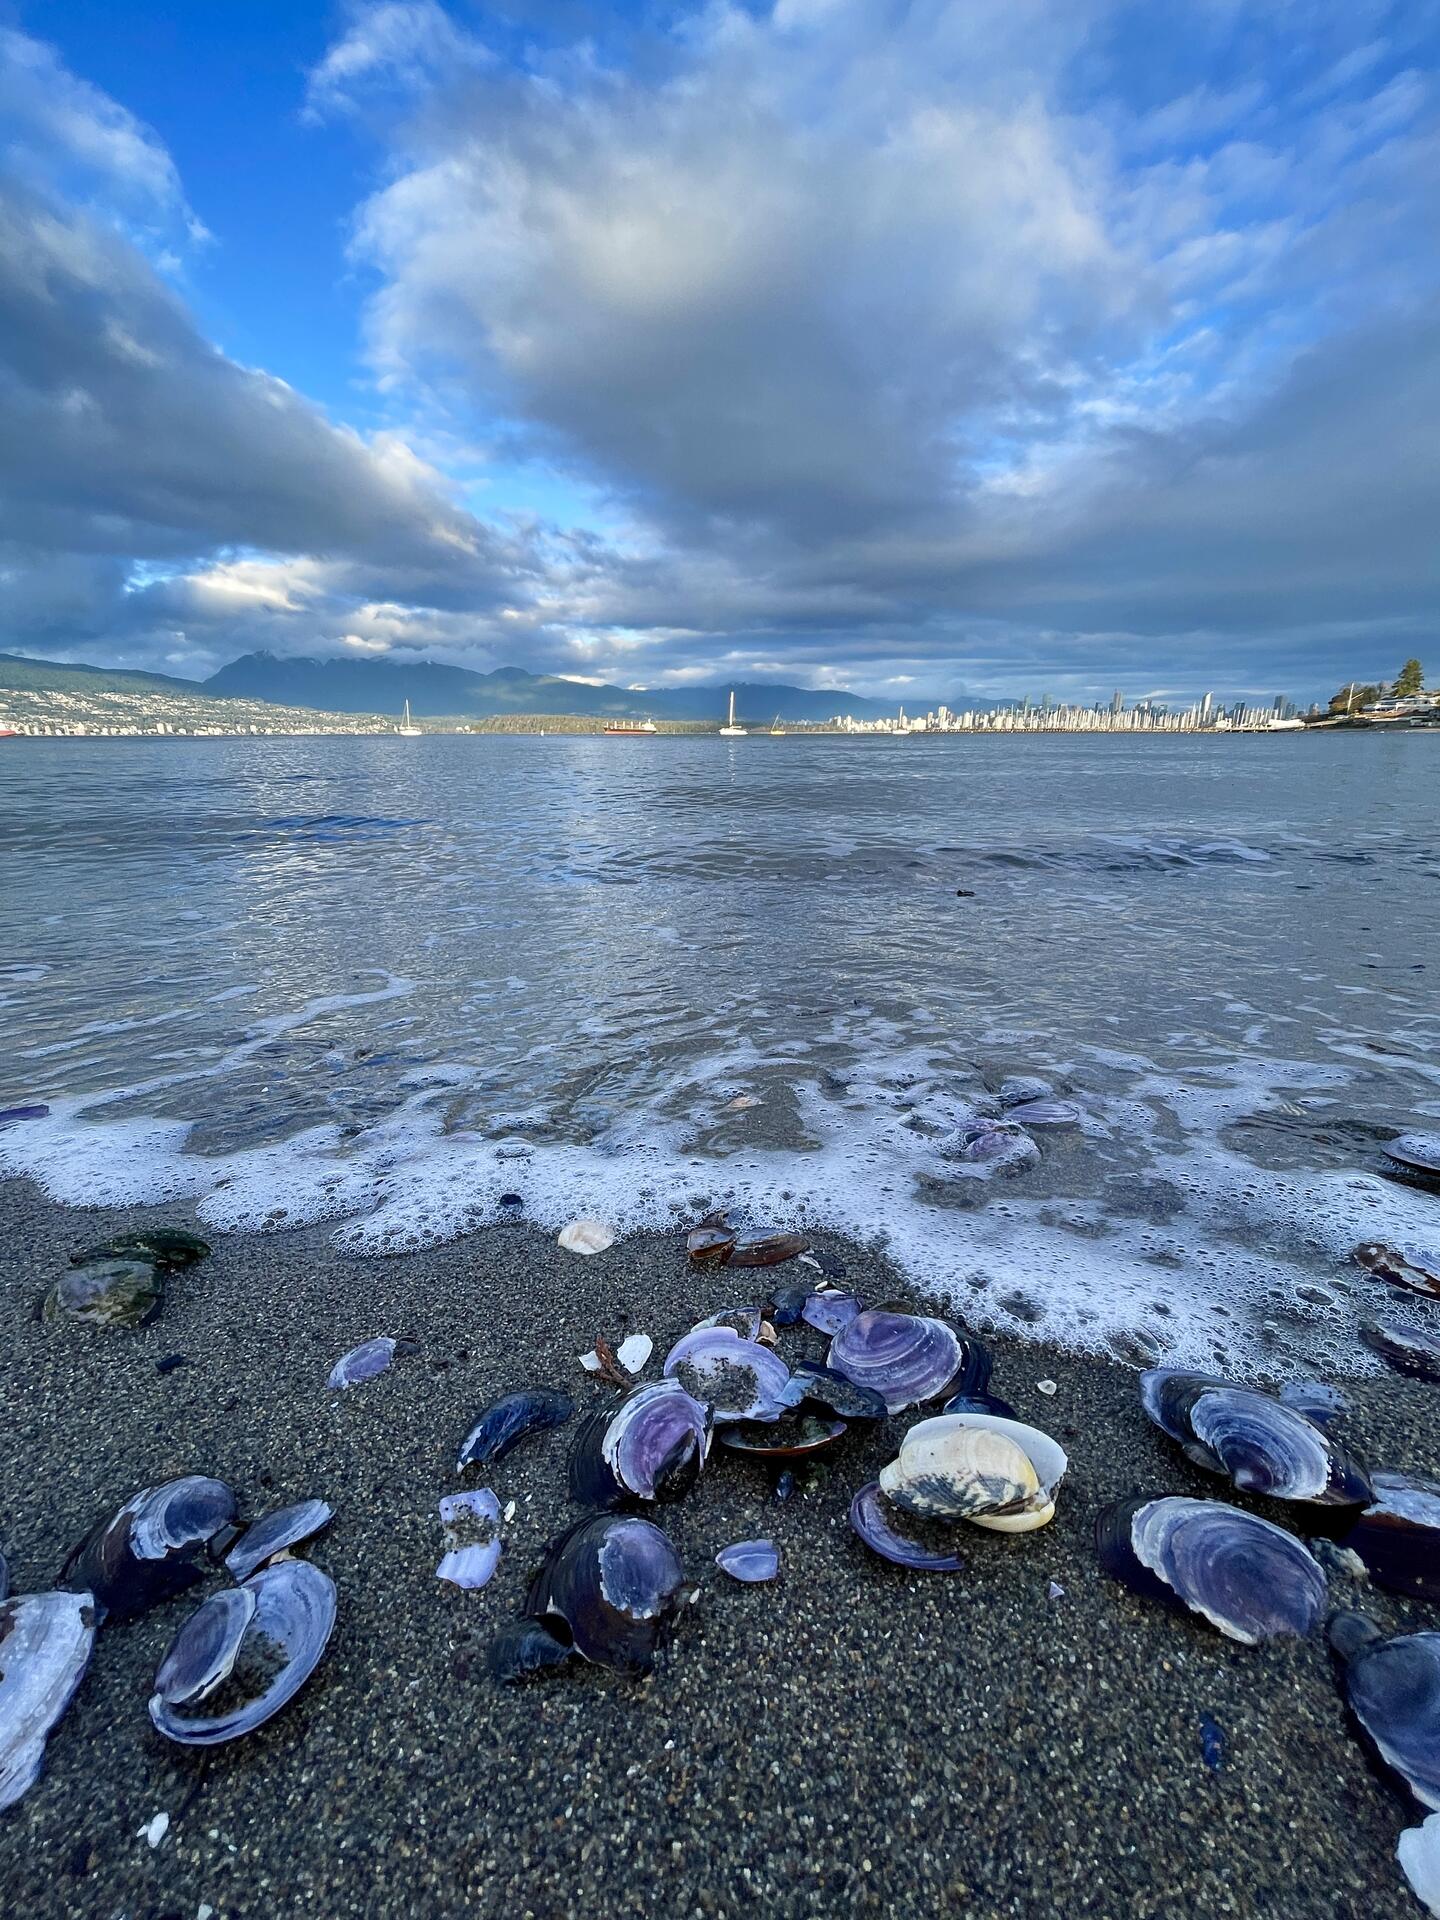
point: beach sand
(851, 1739)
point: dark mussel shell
(1415, 1268)
(739, 1379)
(525, 1647)
(981, 1403)
(882, 1530)
(505, 1423)
(1393, 1686)
(710, 1246)
(616, 1582)
(787, 1439)
(1317, 1400)
(276, 1534)
(787, 1304)
(657, 1441)
(154, 1546)
(107, 1293)
(1398, 1537)
(823, 1387)
(1247, 1577)
(1262, 1445)
(829, 1312)
(766, 1247)
(160, 1247)
(45, 1645)
(751, 1562)
(904, 1357)
(1407, 1348)
(278, 1649)
(592, 1484)
(1416, 1152)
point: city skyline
(893, 348)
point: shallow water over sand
(381, 982)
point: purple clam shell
(904, 1357)
(1045, 1113)
(1248, 1577)
(738, 1379)
(203, 1652)
(472, 1538)
(996, 1143)
(286, 1527)
(1316, 1399)
(151, 1548)
(280, 1648)
(1393, 1686)
(48, 1639)
(12, 1116)
(365, 1362)
(749, 1561)
(1398, 1536)
(656, 1433)
(871, 1518)
(506, 1422)
(615, 1581)
(829, 1312)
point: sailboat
(730, 731)
(410, 731)
(777, 732)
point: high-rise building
(1207, 706)
(1117, 704)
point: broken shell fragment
(1415, 1268)
(279, 1531)
(1247, 1577)
(1407, 1348)
(1398, 1536)
(45, 1645)
(874, 1520)
(472, 1538)
(749, 1561)
(738, 1379)
(586, 1236)
(1393, 1686)
(657, 1441)
(366, 1361)
(904, 1357)
(1418, 1851)
(829, 1312)
(506, 1422)
(525, 1647)
(634, 1352)
(154, 1546)
(613, 1583)
(279, 1647)
(107, 1293)
(826, 1388)
(788, 1438)
(998, 1474)
(746, 1321)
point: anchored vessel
(730, 731)
(410, 731)
(631, 726)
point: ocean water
(381, 982)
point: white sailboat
(410, 731)
(730, 731)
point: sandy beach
(851, 1738)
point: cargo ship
(628, 727)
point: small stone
(156, 1830)
(171, 1362)
(1047, 1387)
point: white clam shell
(586, 1236)
(929, 1440)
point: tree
(1352, 698)
(1412, 679)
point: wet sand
(849, 1739)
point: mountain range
(383, 686)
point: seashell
(472, 1538)
(525, 1647)
(634, 1352)
(657, 1442)
(1415, 1268)
(1408, 1348)
(154, 1546)
(746, 1321)
(615, 1582)
(749, 1561)
(279, 1647)
(506, 1422)
(1315, 1399)
(710, 1246)
(996, 1473)
(829, 1312)
(1018, 1088)
(157, 1247)
(738, 1379)
(366, 1361)
(873, 1520)
(826, 1388)
(1416, 1152)
(999, 1145)
(4, 1579)
(1258, 1442)
(1045, 1113)
(903, 1356)
(204, 1651)
(1393, 1687)
(786, 1439)
(592, 1483)
(586, 1236)
(788, 1303)
(1247, 1577)
(45, 1645)
(107, 1293)
(1398, 1535)
(1418, 1851)
(276, 1534)
(766, 1247)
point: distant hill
(383, 686)
(21, 675)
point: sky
(936, 348)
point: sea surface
(383, 982)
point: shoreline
(850, 1738)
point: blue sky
(990, 346)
